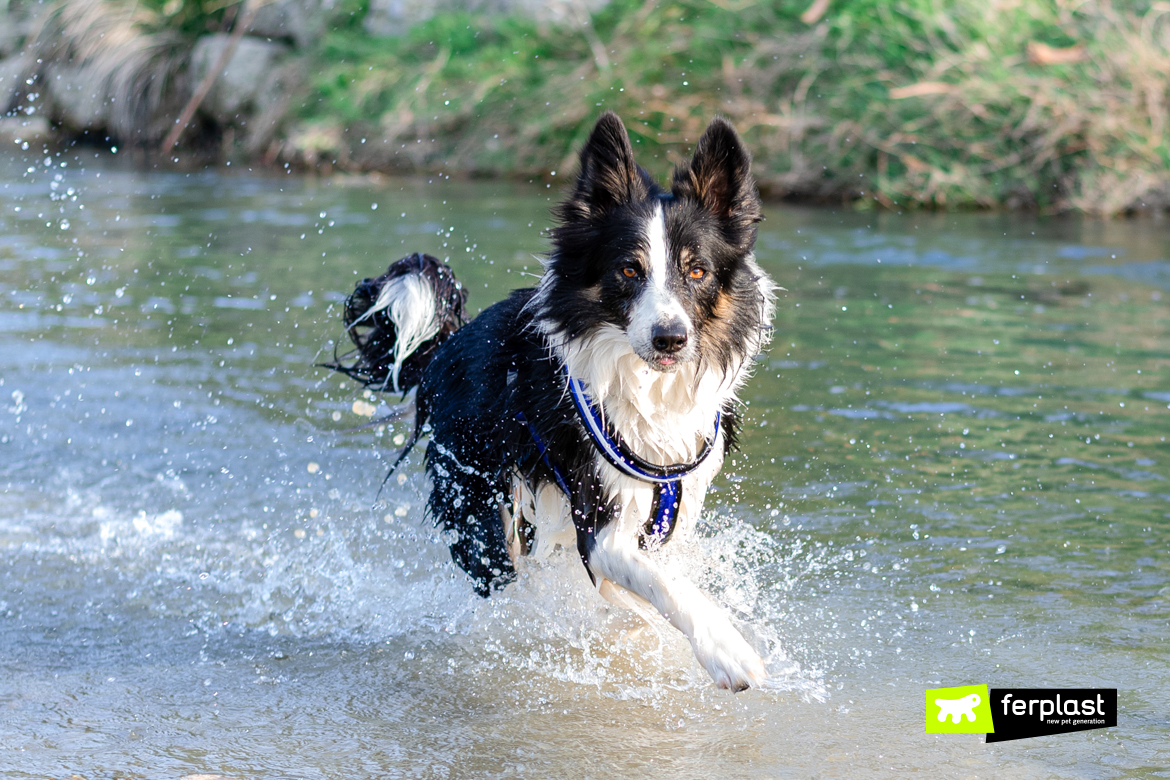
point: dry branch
(244, 23)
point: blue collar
(667, 498)
(615, 451)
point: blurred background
(1050, 105)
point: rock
(395, 17)
(103, 95)
(271, 104)
(12, 31)
(13, 89)
(75, 97)
(299, 21)
(241, 87)
(24, 131)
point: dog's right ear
(609, 176)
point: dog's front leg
(720, 648)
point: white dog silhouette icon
(958, 708)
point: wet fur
(497, 384)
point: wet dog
(593, 411)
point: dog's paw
(727, 657)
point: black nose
(670, 337)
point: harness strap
(543, 450)
(615, 451)
(664, 512)
(584, 538)
(662, 515)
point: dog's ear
(609, 176)
(719, 176)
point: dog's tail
(398, 321)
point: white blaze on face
(655, 304)
(656, 239)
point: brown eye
(630, 272)
(698, 273)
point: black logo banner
(1020, 713)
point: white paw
(727, 657)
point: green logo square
(962, 710)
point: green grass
(818, 104)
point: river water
(954, 471)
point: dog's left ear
(719, 176)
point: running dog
(594, 410)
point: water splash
(369, 581)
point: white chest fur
(663, 417)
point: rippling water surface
(954, 471)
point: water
(954, 471)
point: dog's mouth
(665, 363)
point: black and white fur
(651, 298)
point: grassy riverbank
(1048, 104)
(966, 103)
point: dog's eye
(698, 273)
(629, 272)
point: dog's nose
(670, 337)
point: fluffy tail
(397, 322)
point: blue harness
(668, 478)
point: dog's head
(672, 269)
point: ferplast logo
(1005, 714)
(962, 710)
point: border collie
(593, 411)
